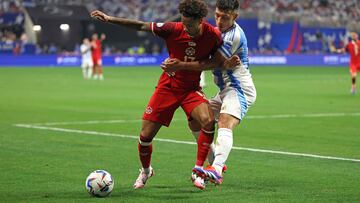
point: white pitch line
(86, 122)
(303, 115)
(183, 142)
(280, 116)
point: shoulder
(211, 30)
(239, 33)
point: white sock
(211, 155)
(84, 73)
(223, 147)
(89, 72)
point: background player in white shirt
(237, 90)
(87, 62)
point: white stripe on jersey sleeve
(236, 41)
(231, 43)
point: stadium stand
(306, 26)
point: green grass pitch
(299, 110)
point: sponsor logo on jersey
(190, 51)
(192, 44)
(148, 110)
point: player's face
(354, 36)
(192, 26)
(224, 19)
(94, 36)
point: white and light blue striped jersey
(234, 43)
(237, 90)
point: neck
(227, 29)
(198, 33)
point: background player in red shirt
(97, 56)
(189, 40)
(353, 48)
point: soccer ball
(99, 183)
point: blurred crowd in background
(331, 13)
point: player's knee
(224, 124)
(146, 136)
(194, 126)
(207, 123)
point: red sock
(204, 141)
(145, 150)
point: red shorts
(164, 103)
(97, 61)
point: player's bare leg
(100, 72)
(148, 131)
(353, 82)
(95, 75)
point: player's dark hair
(227, 5)
(195, 9)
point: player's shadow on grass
(162, 192)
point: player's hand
(100, 16)
(232, 62)
(170, 65)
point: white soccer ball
(99, 183)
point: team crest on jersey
(159, 24)
(148, 110)
(190, 51)
(192, 44)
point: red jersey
(96, 51)
(354, 50)
(186, 48)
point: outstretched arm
(134, 24)
(217, 61)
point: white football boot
(143, 177)
(198, 181)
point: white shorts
(232, 101)
(87, 63)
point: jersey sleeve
(163, 30)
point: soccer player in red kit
(97, 56)
(353, 48)
(192, 39)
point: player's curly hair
(227, 5)
(195, 9)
